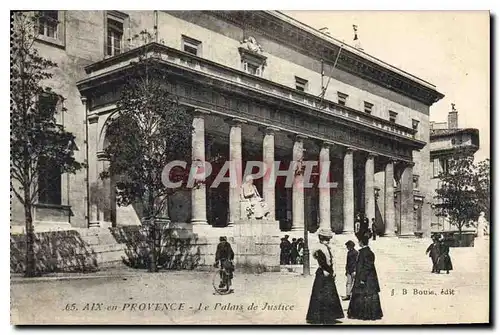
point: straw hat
(325, 233)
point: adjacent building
(254, 81)
(448, 140)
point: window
(415, 182)
(51, 27)
(342, 98)
(368, 107)
(49, 183)
(253, 69)
(49, 175)
(392, 116)
(300, 84)
(414, 124)
(48, 23)
(191, 45)
(114, 44)
(440, 165)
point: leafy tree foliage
(149, 130)
(36, 137)
(483, 187)
(457, 196)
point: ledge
(98, 76)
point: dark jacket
(350, 265)
(366, 273)
(224, 251)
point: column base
(206, 230)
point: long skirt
(365, 307)
(444, 263)
(324, 306)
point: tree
(457, 196)
(483, 187)
(150, 130)
(36, 137)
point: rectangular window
(415, 182)
(300, 84)
(49, 183)
(368, 107)
(342, 98)
(191, 45)
(414, 124)
(114, 44)
(392, 116)
(252, 69)
(48, 23)
(436, 167)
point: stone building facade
(446, 141)
(253, 80)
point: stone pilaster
(269, 181)
(324, 189)
(298, 185)
(389, 208)
(348, 191)
(369, 187)
(236, 169)
(198, 192)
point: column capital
(268, 130)
(200, 112)
(235, 122)
(349, 149)
(83, 99)
(93, 118)
(297, 137)
(371, 155)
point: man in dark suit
(350, 268)
(374, 229)
(224, 255)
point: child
(350, 268)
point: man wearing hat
(350, 268)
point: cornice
(356, 63)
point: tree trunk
(460, 242)
(30, 270)
(153, 233)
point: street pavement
(187, 297)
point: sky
(449, 49)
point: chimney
(453, 118)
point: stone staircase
(109, 252)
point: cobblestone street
(460, 296)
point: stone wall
(57, 251)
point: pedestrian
(444, 261)
(374, 229)
(294, 253)
(286, 248)
(357, 224)
(225, 256)
(350, 268)
(433, 251)
(365, 300)
(324, 304)
(300, 249)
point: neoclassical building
(262, 86)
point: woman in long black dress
(444, 260)
(324, 306)
(365, 300)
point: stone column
(92, 168)
(269, 181)
(324, 190)
(236, 169)
(102, 190)
(348, 191)
(198, 192)
(389, 208)
(369, 187)
(298, 186)
(407, 221)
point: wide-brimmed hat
(325, 233)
